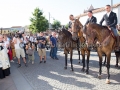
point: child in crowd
(30, 49)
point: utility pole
(111, 4)
(49, 20)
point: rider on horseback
(91, 19)
(70, 29)
(71, 17)
(111, 21)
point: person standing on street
(19, 50)
(41, 47)
(54, 46)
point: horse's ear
(87, 24)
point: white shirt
(31, 39)
(17, 44)
(108, 13)
(6, 43)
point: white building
(98, 13)
(17, 28)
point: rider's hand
(109, 27)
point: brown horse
(106, 43)
(77, 29)
(66, 42)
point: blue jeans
(51, 51)
(114, 30)
(54, 52)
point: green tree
(38, 21)
(66, 26)
(56, 24)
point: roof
(5, 28)
(100, 9)
(16, 26)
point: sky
(18, 12)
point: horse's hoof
(99, 76)
(82, 69)
(72, 69)
(107, 81)
(87, 72)
(65, 67)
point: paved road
(52, 76)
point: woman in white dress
(4, 60)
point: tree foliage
(66, 26)
(56, 24)
(38, 21)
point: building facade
(98, 13)
(4, 30)
(16, 28)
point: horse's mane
(99, 26)
(67, 33)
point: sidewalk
(15, 81)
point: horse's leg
(117, 56)
(79, 56)
(88, 56)
(71, 53)
(108, 68)
(66, 54)
(104, 63)
(83, 60)
(78, 50)
(100, 64)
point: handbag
(30, 51)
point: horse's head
(76, 27)
(63, 35)
(90, 36)
(60, 35)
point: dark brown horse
(106, 44)
(66, 42)
(77, 29)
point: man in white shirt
(19, 50)
(110, 19)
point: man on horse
(70, 29)
(111, 21)
(71, 17)
(91, 19)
